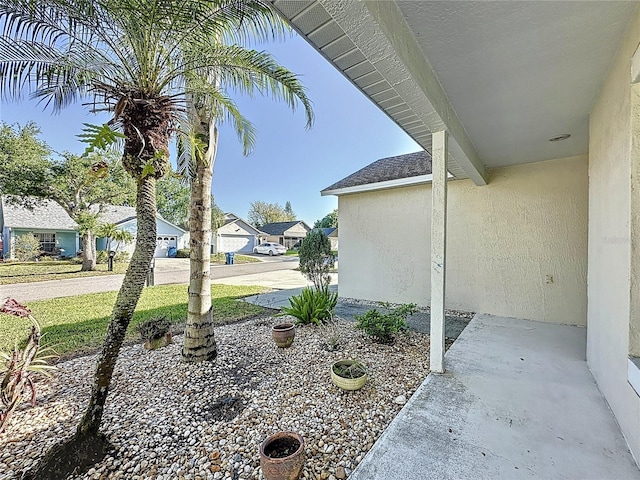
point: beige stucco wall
(609, 249)
(504, 239)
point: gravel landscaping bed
(171, 420)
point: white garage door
(163, 242)
(236, 243)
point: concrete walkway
(517, 401)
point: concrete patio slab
(517, 401)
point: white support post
(438, 247)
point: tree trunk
(199, 340)
(88, 445)
(126, 302)
(88, 252)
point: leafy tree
(173, 200)
(261, 213)
(246, 71)
(87, 225)
(330, 220)
(291, 216)
(316, 258)
(139, 60)
(82, 186)
(217, 216)
(25, 160)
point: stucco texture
(610, 263)
(516, 247)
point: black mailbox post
(112, 254)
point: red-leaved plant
(18, 367)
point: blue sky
(289, 163)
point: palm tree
(111, 232)
(131, 58)
(208, 105)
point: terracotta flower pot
(282, 456)
(283, 334)
(354, 382)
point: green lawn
(75, 325)
(25, 272)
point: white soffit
(502, 76)
(520, 72)
(361, 39)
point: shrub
(383, 326)
(102, 256)
(316, 258)
(331, 335)
(26, 248)
(183, 253)
(312, 306)
(122, 257)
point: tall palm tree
(131, 58)
(209, 105)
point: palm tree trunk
(88, 252)
(125, 305)
(89, 445)
(199, 340)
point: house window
(47, 241)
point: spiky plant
(18, 368)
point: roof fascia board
(382, 35)
(370, 187)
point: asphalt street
(167, 271)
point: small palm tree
(133, 58)
(111, 232)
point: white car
(268, 248)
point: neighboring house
(168, 235)
(57, 232)
(47, 221)
(533, 109)
(236, 235)
(285, 233)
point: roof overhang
(502, 78)
(370, 43)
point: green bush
(26, 248)
(122, 257)
(183, 253)
(102, 256)
(312, 306)
(316, 258)
(383, 326)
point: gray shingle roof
(278, 228)
(117, 214)
(46, 215)
(385, 169)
